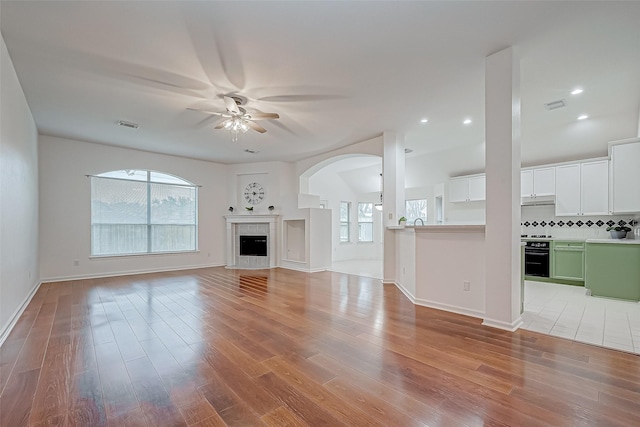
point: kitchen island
(613, 268)
(442, 266)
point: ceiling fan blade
(231, 105)
(221, 124)
(256, 127)
(263, 116)
(215, 113)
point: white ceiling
(336, 72)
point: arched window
(140, 211)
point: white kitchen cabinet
(467, 188)
(582, 189)
(625, 176)
(594, 188)
(568, 190)
(538, 182)
(477, 188)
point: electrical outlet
(404, 271)
(467, 285)
(76, 262)
(390, 216)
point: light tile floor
(559, 310)
(568, 312)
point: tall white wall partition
(502, 127)
(19, 271)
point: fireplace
(251, 241)
(253, 246)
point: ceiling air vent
(128, 124)
(553, 105)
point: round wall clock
(254, 193)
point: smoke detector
(554, 105)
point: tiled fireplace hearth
(252, 228)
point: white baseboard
(6, 330)
(304, 270)
(450, 308)
(437, 305)
(512, 327)
(127, 273)
(402, 289)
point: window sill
(99, 257)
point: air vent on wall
(553, 105)
(128, 124)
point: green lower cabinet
(568, 260)
(613, 270)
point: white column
(502, 136)
(393, 168)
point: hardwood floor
(217, 347)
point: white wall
(65, 208)
(277, 178)
(18, 196)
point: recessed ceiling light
(467, 121)
(583, 117)
(424, 120)
(576, 91)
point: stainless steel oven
(536, 258)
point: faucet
(416, 222)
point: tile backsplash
(543, 220)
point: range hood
(538, 200)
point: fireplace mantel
(249, 218)
(266, 223)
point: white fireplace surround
(251, 225)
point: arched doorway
(351, 186)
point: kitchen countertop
(615, 241)
(582, 239)
(449, 228)
(548, 239)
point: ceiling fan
(237, 119)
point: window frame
(170, 181)
(364, 220)
(413, 219)
(344, 223)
